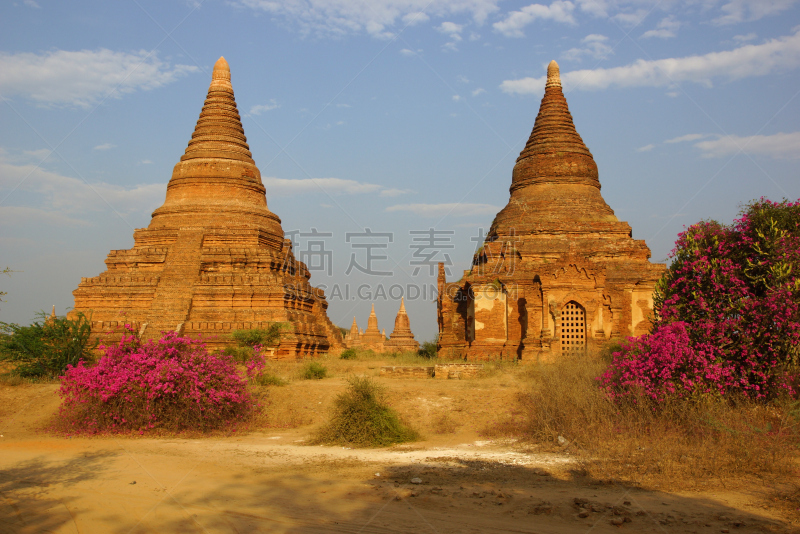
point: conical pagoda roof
(219, 132)
(216, 184)
(555, 179)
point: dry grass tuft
(679, 443)
(445, 424)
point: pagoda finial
(553, 75)
(402, 306)
(372, 313)
(219, 132)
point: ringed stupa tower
(402, 338)
(214, 258)
(558, 272)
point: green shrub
(266, 337)
(349, 354)
(428, 349)
(239, 354)
(268, 379)
(314, 371)
(362, 418)
(46, 348)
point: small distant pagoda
(558, 273)
(214, 258)
(401, 340)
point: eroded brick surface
(406, 371)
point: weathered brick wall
(457, 370)
(401, 371)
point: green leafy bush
(428, 349)
(349, 354)
(314, 371)
(362, 418)
(265, 337)
(46, 347)
(239, 354)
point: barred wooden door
(573, 329)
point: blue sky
(395, 115)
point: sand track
(272, 482)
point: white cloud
(145, 162)
(778, 146)
(343, 106)
(437, 210)
(597, 8)
(418, 17)
(104, 146)
(462, 79)
(781, 54)
(596, 46)
(646, 148)
(631, 19)
(407, 52)
(333, 186)
(456, 98)
(262, 108)
(72, 198)
(744, 38)
(450, 28)
(558, 11)
(453, 32)
(32, 3)
(749, 10)
(83, 77)
(665, 29)
(376, 18)
(395, 192)
(685, 138)
(478, 91)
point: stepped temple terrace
(558, 272)
(401, 340)
(214, 258)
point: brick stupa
(214, 258)
(402, 339)
(558, 272)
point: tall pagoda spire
(219, 132)
(216, 182)
(555, 151)
(402, 338)
(555, 182)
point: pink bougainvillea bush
(728, 313)
(172, 384)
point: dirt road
(272, 482)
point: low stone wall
(440, 370)
(398, 371)
(457, 370)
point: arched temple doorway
(573, 329)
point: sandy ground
(272, 482)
